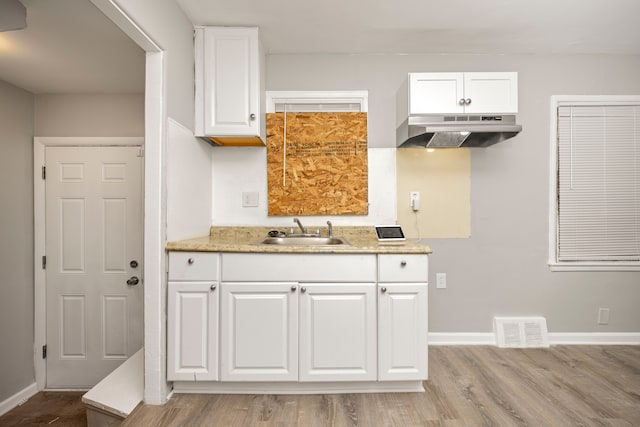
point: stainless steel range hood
(452, 131)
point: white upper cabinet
(463, 93)
(229, 81)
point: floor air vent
(522, 332)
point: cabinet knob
(467, 101)
(252, 116)
(212, 287)
(383, 290)
(462, 101)
(403, 263)
(303, 289)
(293, 288)
(191, 261)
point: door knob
(133, 281)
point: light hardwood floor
(468, 386)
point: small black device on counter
(391, 234)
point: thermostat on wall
(390, 234)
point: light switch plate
(250, 199)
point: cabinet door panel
(259, 335)
(491, 92)
(192, 340)
(231, 81)
(435, 93)
(402, 331)
(338, 332)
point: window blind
(598, 203)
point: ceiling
(69, 46)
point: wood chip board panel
(319, 165)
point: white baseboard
(18, 398)
(594, 338)
(462, 338)
(555, 338)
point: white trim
(594, 338)
(18, 399)
(462, 338)
(274, 97)
(39, 244)
(555, 338)
(555, 102)
(156, 388)
(217, 387)
(115, 13)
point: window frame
(577, 100)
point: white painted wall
(502, 268)
(189, 185)
(16, 241)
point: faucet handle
(330, 225)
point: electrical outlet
(603, 316)
(415, 200)
(441, 280)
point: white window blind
(598, 183)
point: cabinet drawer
(193, 266)
(299, 267)
(403, 268)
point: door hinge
(44, 351)
(44, 262)
(44, 172)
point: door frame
(39, 244)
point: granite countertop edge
(362, 240)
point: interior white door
(94, 249)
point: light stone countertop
(246, 239)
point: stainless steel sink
(304, 241)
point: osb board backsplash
(322, 168)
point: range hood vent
(453, 131)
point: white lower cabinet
(315, 320)
(402, 331)
(192, 341)
(259, 331)
(338, 332)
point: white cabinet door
(402, 331)
(192, 347)
(259, 331)
(338, 332)
(491, 92)
(228, 98)
(463, 93)
(435, 93)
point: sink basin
(304, 241)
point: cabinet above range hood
(460, 109)
(453, 131)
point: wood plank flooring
(48, 408)
(468, 386)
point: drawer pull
(191, 261)
(403, 263)
(213, 287)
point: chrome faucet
(330, 228)
(297, 221)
